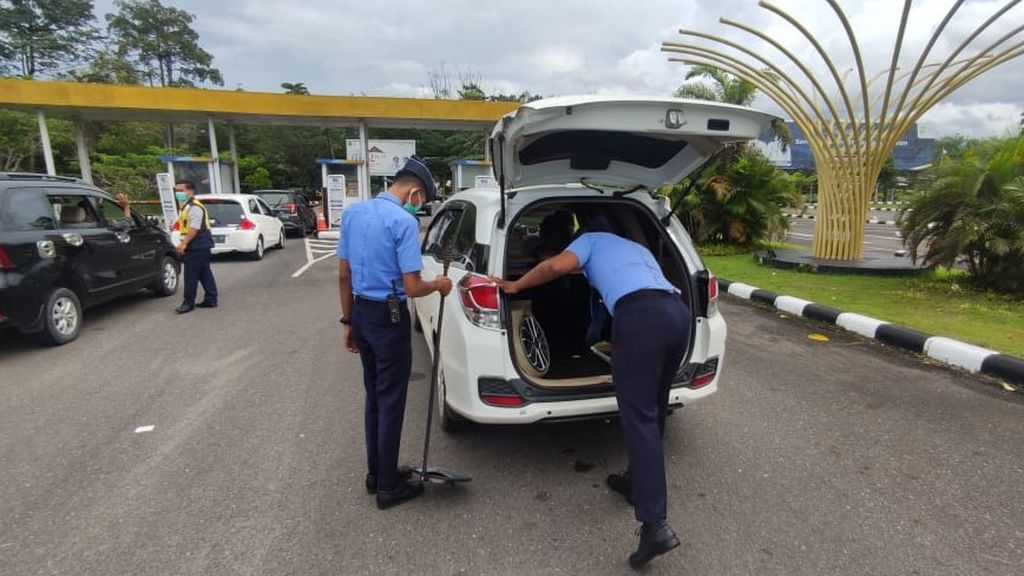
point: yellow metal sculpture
(853, 130)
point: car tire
(62, 317)
(449, 421)
(167, 283)
(257, 254)
(280, 241)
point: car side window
(263, 206)
(112, 211)
(254, 207)
(74, 211)
(440, 233)
(27, 210)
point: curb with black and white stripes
(869, 221)
(972, 358)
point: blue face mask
(180, 196)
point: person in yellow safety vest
(195, 248)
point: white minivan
(559, 163)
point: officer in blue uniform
(195, 248)
(649, 335)
(379, 266)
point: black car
(65, 246)
(292, 209)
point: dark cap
(416, 167)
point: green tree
(107, 67)
(973, 212)
(736, 201)
(294, 88)
(162, 43)
(471, 91)
(44, 36)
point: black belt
(639, 294)
(365, 300)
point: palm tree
(735, 197)
(974, 212)
(295, 88)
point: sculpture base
(868, 265)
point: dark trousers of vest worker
(650, 331)
(386, 352)
(197, 270)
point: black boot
(404, 474)
(185, 308)
(621, 483)
(656, 538)
(404, 492)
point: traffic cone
(321, 223)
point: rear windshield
(223, 212)
(596, 149)
(275, 199)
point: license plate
(219, 239)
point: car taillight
(5, 260)
(247, 224)
(712, 295)
(479, 297)
(291, 208)
(704, 373)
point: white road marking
(307, 265)
(144, 429)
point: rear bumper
(235, 241)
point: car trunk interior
(548, 325)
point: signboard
(165, 187)
(911, 152)
(485, 182)
(386, 156)
(335, 198)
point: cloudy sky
(558, 47)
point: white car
(240, 223)
(524, 358)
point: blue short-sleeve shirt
(380, 240)
(615, 266)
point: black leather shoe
(185, 308)
(404, 474)
(404, 492)
(205, 304)
(656, 538)
(621, 483)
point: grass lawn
(937, 303)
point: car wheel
(280, 241)
(257, 254)
(535, 344)
(167, 283)
(450, 421)
(62, 317)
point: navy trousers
(650, 332)
(197, 270)
(386, 352)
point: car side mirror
(121, 225)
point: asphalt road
(836, 458)
(879, 239)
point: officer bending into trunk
(379, 266)
(650, 333)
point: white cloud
(571, 46)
